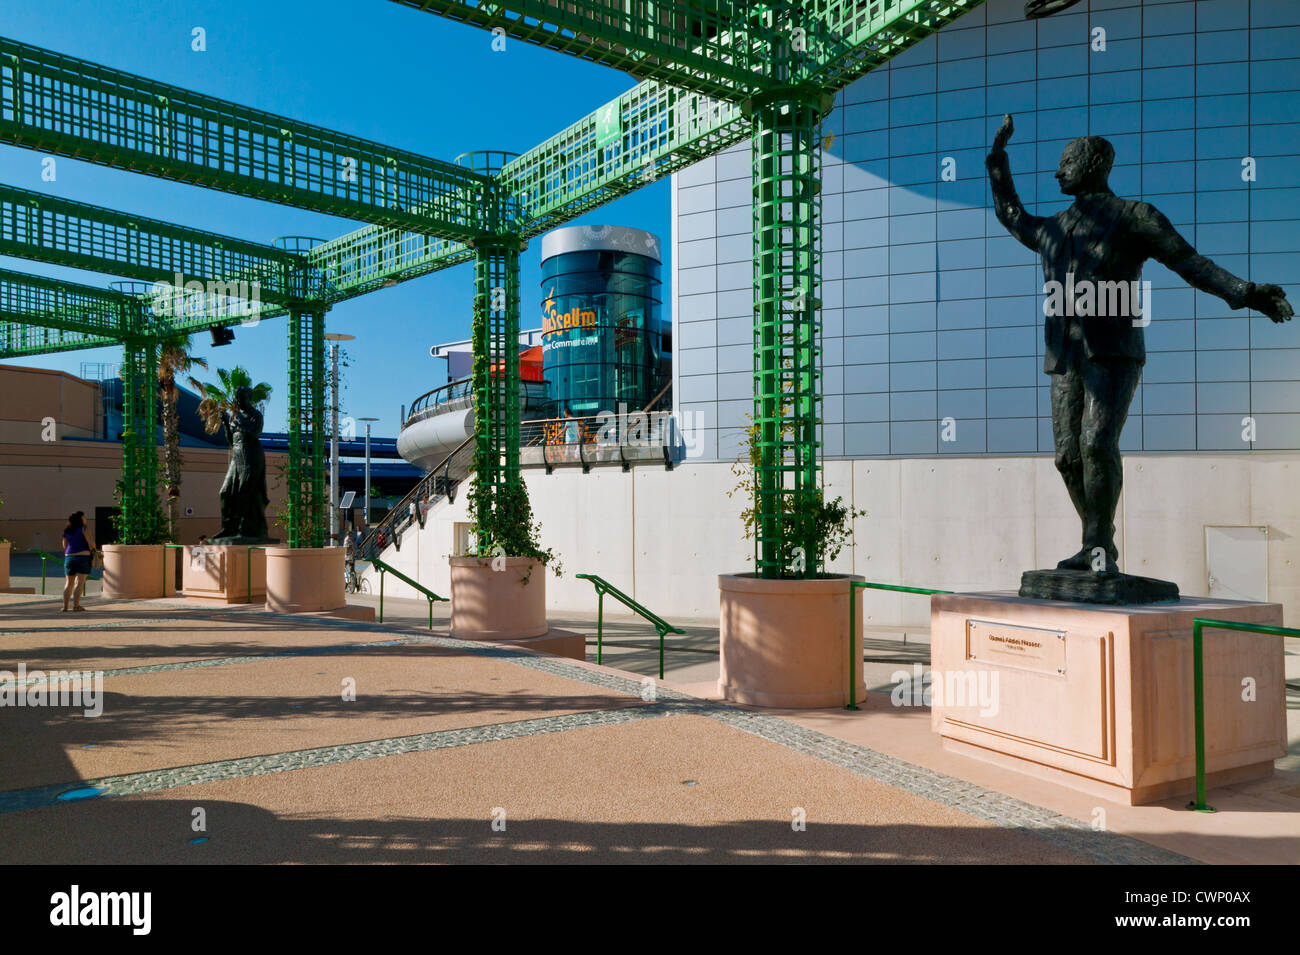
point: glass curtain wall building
(604, 341)
(932, 313)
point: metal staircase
(442, 481)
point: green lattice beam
(849, 38)
(59, 231)
(64, 306)
(18, 339)
(376, 257)
(660, 129)
(305, 468)
(786, 151)
(140, 520)
(703, 45)
(496, 384)
(45, 228)
(72, 107)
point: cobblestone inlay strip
(130, 784)
(61, 676)
(991, 806)
(143, 625)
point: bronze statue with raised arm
(243, 493)
(1092, 256)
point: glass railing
(535, 400)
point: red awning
(530, 365)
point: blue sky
(366, 67)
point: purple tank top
(75, 542)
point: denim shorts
(76, 564)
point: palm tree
(220, 400)
(174, 359)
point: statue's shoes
(1080, 561)
(1083, 561)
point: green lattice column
(305, 477)
(139, 522)
(496, 381)
(787, 328)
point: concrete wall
(41, 484)
(33, 398)
(949, 523)
(44, 477)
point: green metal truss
(852, 37)
(239, 278)
(377, 257)
(139, 521)
(73, 107)
(496, 377)
(62, 306)
(19, 339)
(787, 332)
(708, 46)
(46, 228)
(305, 468)
(57, 231)
(495, 343)
(655, 131)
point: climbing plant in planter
(501, 513)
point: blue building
(932, 313)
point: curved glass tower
(604, 342)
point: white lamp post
(365, 513)
(334, 338)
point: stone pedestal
(138, 571)
(223, 573)
(1099, 698)
(304, 579)
(785, 643)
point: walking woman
(78, 548)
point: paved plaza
(456, 751)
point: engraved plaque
(1023, 648)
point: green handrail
(854, 658)
(603, 587)
(45, 556)
(1198, 687)
(383, 568)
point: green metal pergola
(711, 73)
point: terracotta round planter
(785, 643)
(135, 571)
(4, 564)
(489, 604)
(304, 579)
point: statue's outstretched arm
(1170, 249)
(1006, 202)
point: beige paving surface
(183, 717)
(438, 737)
(604, 794)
